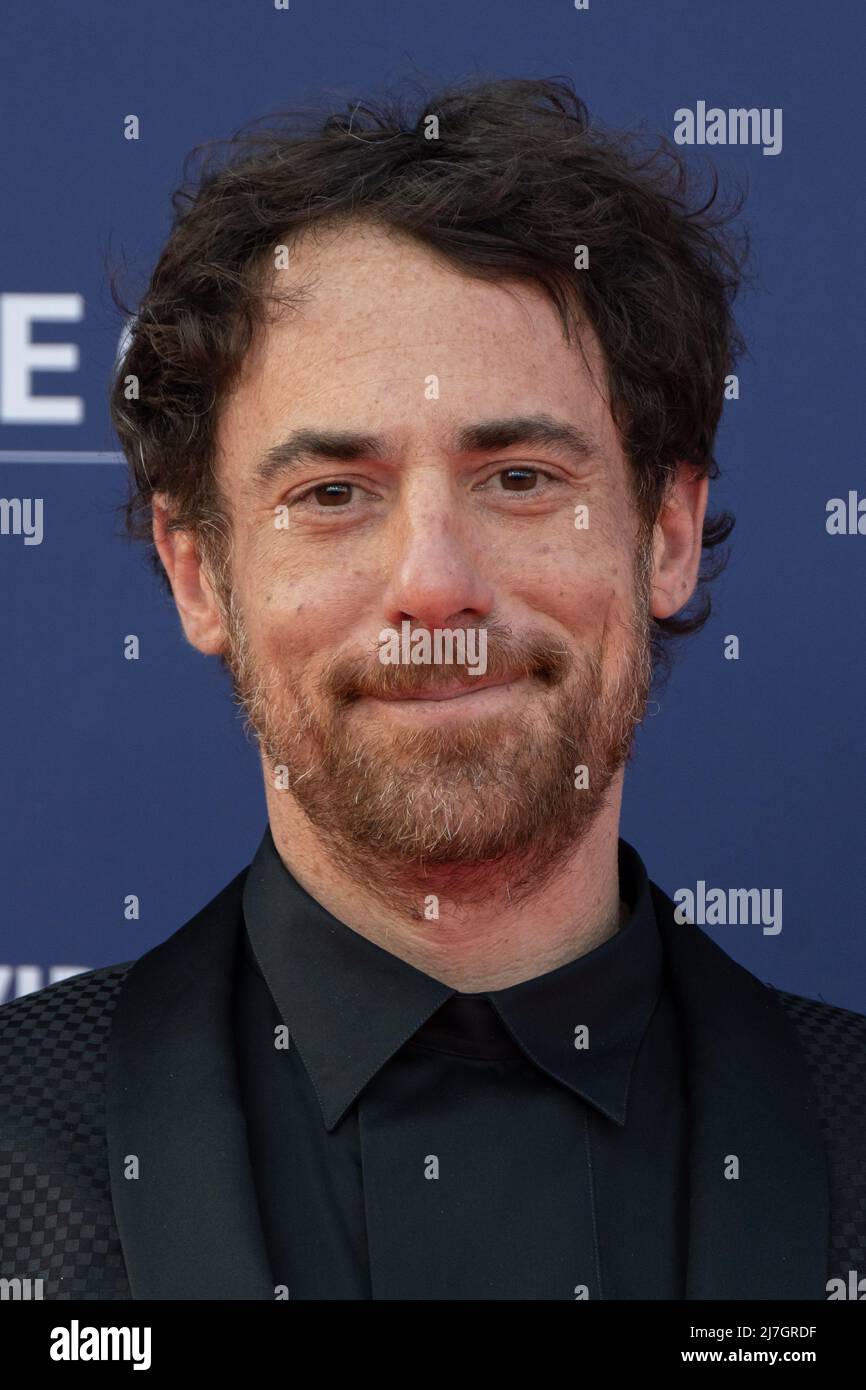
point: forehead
(386, 336)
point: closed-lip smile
(453, 692)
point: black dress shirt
(414, 1142)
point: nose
(436, 579)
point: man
(421, 415)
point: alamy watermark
(737, 126)
(22, 1290)
(443, 646)
(720, 907)
(22, 516)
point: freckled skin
(442, 540)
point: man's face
(441, 533)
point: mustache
(350, 677)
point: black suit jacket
(131, 1068)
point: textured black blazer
(134, 1064)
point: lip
(453, 693)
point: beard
(457, 803)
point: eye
(327, 494)
(523, 477)
(519, 479)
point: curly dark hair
(518, 176)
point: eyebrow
(487, 436)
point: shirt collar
(350, 1005)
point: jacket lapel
(189, 1223)
(765, 1234)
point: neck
(475, 927)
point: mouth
(455, 691)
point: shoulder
(53, 1059)
(55, 1203)
(83, 996)
(833, 1038)
(833, 1041)
(57, 1034)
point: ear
(677, 542)
(193, 592)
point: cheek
(295, 621)
(581, 585)
(283, 637)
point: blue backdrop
(124, 777)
